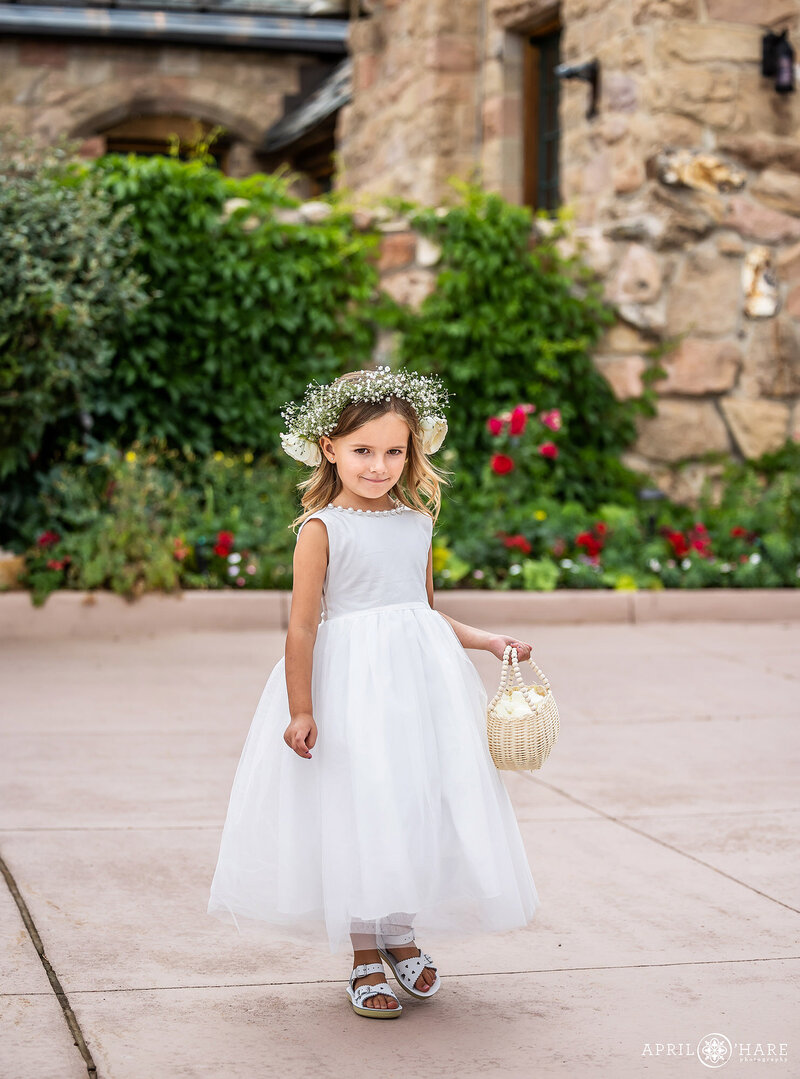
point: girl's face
(370, 460)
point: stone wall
(413, 120)
(79, 89)
(685, 187)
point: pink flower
(552, 419)
(495, 425)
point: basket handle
(511, 651)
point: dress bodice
(375, 558)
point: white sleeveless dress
(400, 807)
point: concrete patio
(662, 835)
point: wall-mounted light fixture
(777, 60)
(589, 72)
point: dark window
(541, 132)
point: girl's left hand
(497, 645)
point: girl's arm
(469, 636)
(309, 565)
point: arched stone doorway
(150, 126)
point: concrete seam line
(58, 989)
(623, 823)
(456, 974)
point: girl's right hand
(301, 735)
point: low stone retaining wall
(86, 615)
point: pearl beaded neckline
(373, 513)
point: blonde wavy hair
(419, 480)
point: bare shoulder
(312, 541)
(309, 566)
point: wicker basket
(522, 721)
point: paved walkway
(662, 835)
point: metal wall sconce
(777, 61)
(589, 72)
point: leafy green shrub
(508, 322)
(153, 518)
(247, 305)
(66, 287)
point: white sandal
(407, 971)
(365, 991)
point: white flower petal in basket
(514, 704)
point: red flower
(518, 541)
(224, 543)
(54, 563)
(518, 421)
(495, 425)
(592, 544)
(678, 542)
(47, 539)
(697, 539)
(502, 464)
(549, 449)
(601, 528)
(743, 533)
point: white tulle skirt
(400, 814)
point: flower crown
(319, 411)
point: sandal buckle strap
(363, 969)
(364, 992)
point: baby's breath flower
(318, 412)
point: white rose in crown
(513, 705)
(434, 428)
(301, 449)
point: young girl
(366, 800)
